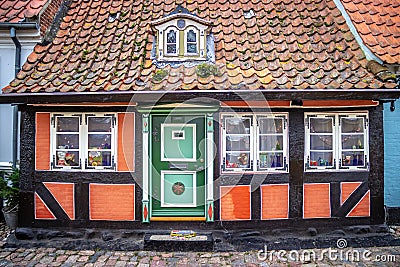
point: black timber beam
(218, 95)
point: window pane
(67, 158)
(269, 143)
(353, 158)
(191, 37)
(171, 49)
(67, 124)
(270, 125)
(67, 141)
(238, 160)
(99, 124)
(99, 141)
(352, 125)
(171, 37)
(192, 48)
(321, 125)
(238, 125)
(321, 159)
(353, 141)
(99, 158)
(321, 142)
(238, 143)
(271, 160)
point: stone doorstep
(216, 240)
(164, 242)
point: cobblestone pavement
(347, 257)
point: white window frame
(285, 141)
(113, 142)
(83, 141)
(53, 141)
(254, 156)
(167, 30)
(337, 148)
(197, 32)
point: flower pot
(11, 217)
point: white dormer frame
(164, 25)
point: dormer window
(181, 36)
(171, 42)
(191, 42)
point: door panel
(178, 142)
(178, 165)
(178, 189)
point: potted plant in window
(9, 191)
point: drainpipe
(13, 35)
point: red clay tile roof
(17, 11)
(378, 23)
(296, 44)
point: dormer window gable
(181, 36)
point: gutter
(368, 53)
(227, 91)
(19, 25)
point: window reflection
(67, 141)
(171, 42)
(99, 141)
(191, 42)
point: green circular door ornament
(178, 188)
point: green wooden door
(178, 165)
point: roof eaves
(269, 94)
(368, 53)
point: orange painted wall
(41, 210)
(114, 202)
(362, 209)
(42, 150)
(126, 141)
(274, 201)
(235, 203)
(64, 194)
(316, 202)
(347, 188)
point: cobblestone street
(376, 256)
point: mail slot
(181, 166)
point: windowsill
(338, 170)
(78, 170)
(179, 59)
(171, 55)
(191, 55)
(255, 172)
(85, 171)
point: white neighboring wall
(28, 40)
